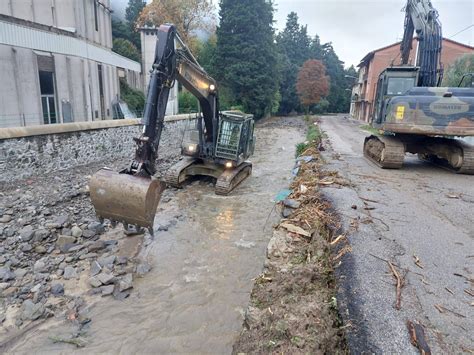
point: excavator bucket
(125, 198)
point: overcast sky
(356, 27)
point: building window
(96, 15)
(48, 98)
(101, 91)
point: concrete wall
(72, 145)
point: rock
(57, 289)
(31, 311)
(75, 248)
(62, 221)
(290, 203)
(6, 274)
(98, 245)
(253, 317)
(107, 261)
(122, 260)
(125, 283)
(107, 290)
(88, 256)
(244, 244)
(286, 212)
(96, 227)
(95, 282)
(26, 233)
(40, 266)
(40, 249)
(143, 269)
(76, 232)
(69, 273)
(95, 268)
(5, 218)
(41, 234)
(4, 285)
(88, 234)
(25, 247)
(105, 278)
(278, 244)
(64, 240)
(36, 288)
(19, 273)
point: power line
(468, 27)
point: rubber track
(230, 179)
(389, 155)
(468, 159)
(173, 173)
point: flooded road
(203, 266)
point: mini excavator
(413, 112)
(217, 145)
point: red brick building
(370, 67)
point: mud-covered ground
(419, 218)
(293, 306)
(186, 290)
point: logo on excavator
(400, 114)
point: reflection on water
(194, 298)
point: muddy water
(194, 298)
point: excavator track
(386, 152)
(468, 159)
(467, 156)
(231, 178)
(173, 176)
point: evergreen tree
(246, 60)
(338, 97)
(132, 12)
(294, 49)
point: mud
(293, 306)
(206, 254)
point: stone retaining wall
(27, 153)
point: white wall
(149, 38)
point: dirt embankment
(293, 307)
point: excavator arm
(422, 17)
(132, 196)
(173, 62)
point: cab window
(399, 86)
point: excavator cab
(235, 139)
(394, 81)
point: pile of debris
(53, 252)
(293, 306)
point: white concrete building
(57, 64)
(148, 40)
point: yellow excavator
(217, 145)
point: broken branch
(399, 279)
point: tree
(206, 54)
(132, 12)
(294, 49)
(312, 84)
(246, 64)
(188, 16)
(126, 48)
(454, 73)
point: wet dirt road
(420, 213)
(202, 267)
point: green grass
(370, 129)
(313, 137)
